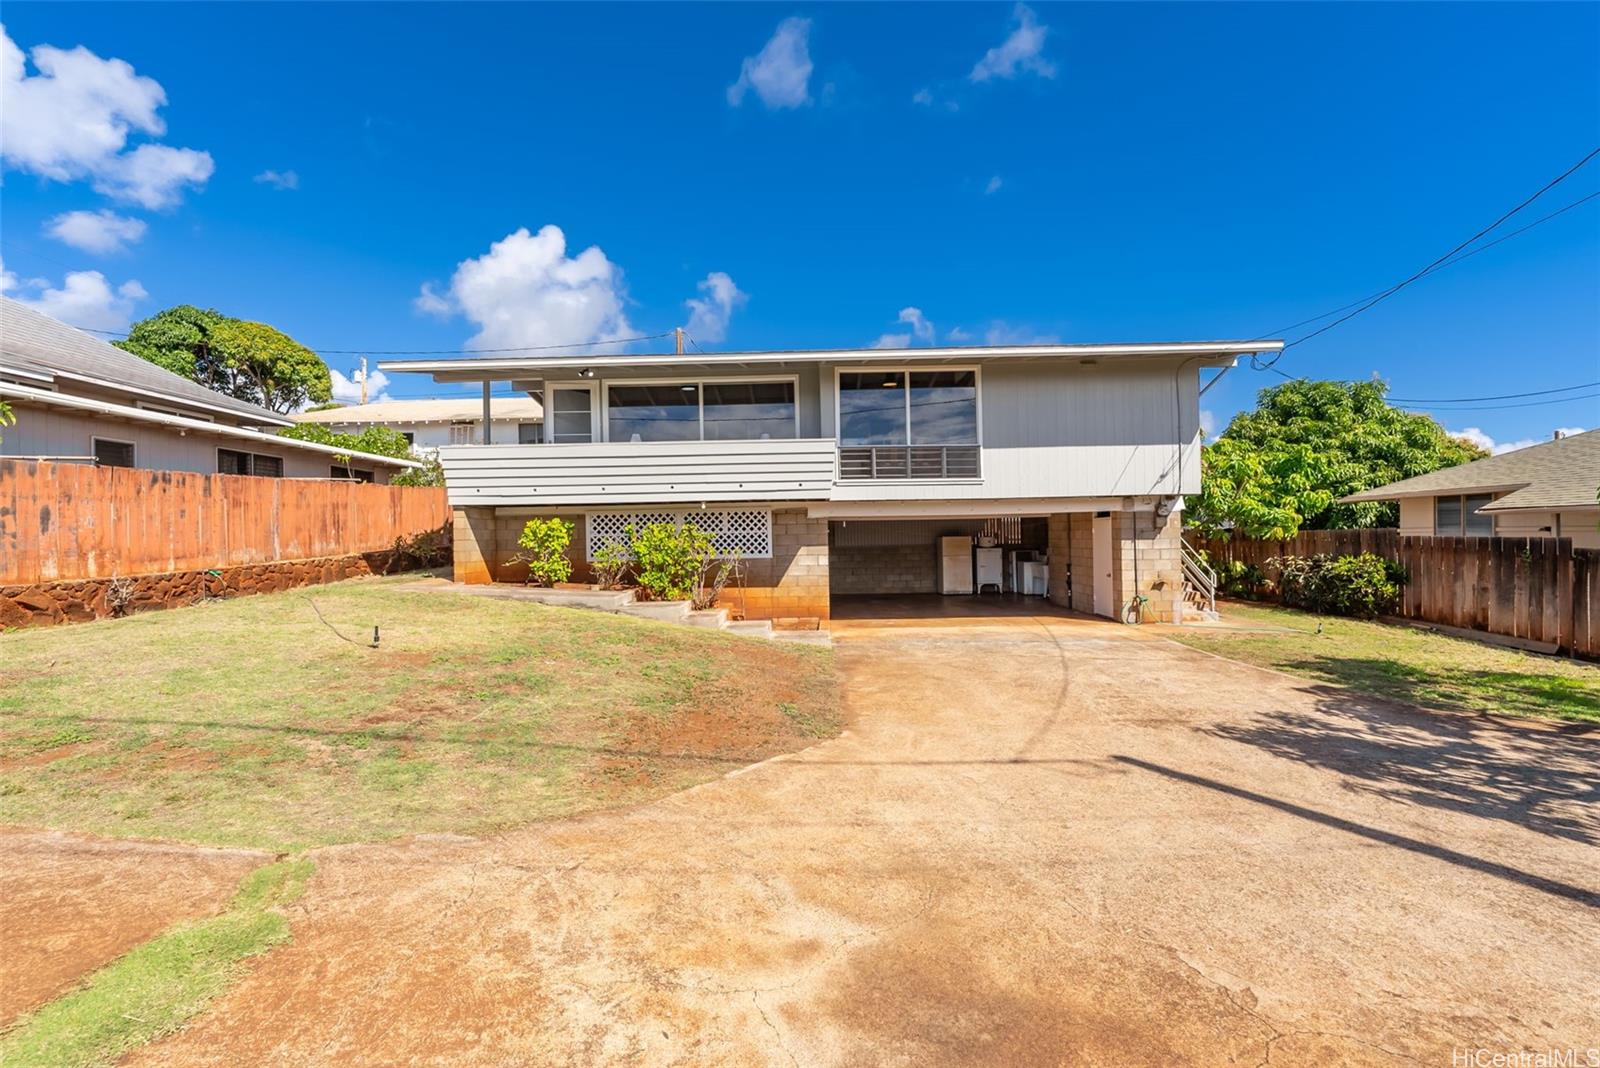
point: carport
(898, 558)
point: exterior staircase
(1199, 588)
(625, 603)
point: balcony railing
(865, 463)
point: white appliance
(1035, 578)
(955, 565)
(990, 568)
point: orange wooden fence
(1540, 589)
(62, 522)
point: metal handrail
(1200, 574)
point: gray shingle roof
(1564, 473)
(33, 342)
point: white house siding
(51, 432)
(610, 473)
(429, 436)
(1416, 516)
(1582, 526)
(1053, 429)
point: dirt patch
(47, 756)
(70, 904)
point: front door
(1102, 566)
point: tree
(247, 360)
(6, 416)
(1283, 466)
(378, 440)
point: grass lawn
(250, 722)
(1405, 663)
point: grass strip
(151, 990)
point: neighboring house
(79, 399)
(840, 472)
(428, 424)
(1542, 491)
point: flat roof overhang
(538, 368)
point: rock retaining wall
(48, 603)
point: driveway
(1043, 840)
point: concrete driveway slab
(1043, 840)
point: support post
(488, 414)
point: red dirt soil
(70, 904)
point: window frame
(908, 370)
(588, 385)
(250, 457)
(1462, 510)
(699, 382)
(94, 450)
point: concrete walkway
(1044, 840)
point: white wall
(1416, 516)
(52, 432)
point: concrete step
(711, 618)
(665, 611)
(751, 628)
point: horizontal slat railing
(861, 463)
(639, 472)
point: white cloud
(1208, 423)
(993, 187)
(71, 121)
(923, 96)
(278, 179)
(96, 231)
(956, 333)
(84, 299)
(709, 315)
(347, 389)
(780, 72)
(891, 341)
(1022, 50)
(527, 291)
(1484, 441)
(921, 329)
(1003, 333)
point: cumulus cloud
(1021, 51)
(891, 341)
(780, 72)
(347, 388)
(1208, 423)
(84, 299)
(1484, 441)
(278, 179)
(72, 120)
(921, 329)
(710, 313)
(993, 186)
(527, 291)
(99, 232)
(956, 333)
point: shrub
(544, 549)
(1362, 586)
(1238, 579)
(714, 575)
(669, 559)
(611, 564)
(431, 473)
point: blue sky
(1081, 173)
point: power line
(1448, 263)
(1497, 407)
(1368, 303)
(1498, 396)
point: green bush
(1363, 586)
(611, 564)
(670, 559)
(1238, 579)
(544, 549)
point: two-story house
(841, 472)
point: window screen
(230, 462)
(113, 453)
(1447, 516)
(529, 433)
(1477, 525)
(571, 421)
(266, 466)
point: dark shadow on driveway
(1539, 776)
(1579, 894)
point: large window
(234, 462)
(700, 411)
(908, 408)
(1459, 516)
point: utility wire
(1498, 396)
(1497, 407)
(1380, 297)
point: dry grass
(1405, 663)
(251, 722)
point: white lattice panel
(745, 530)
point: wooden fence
(1537, 589)
(63, 522)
